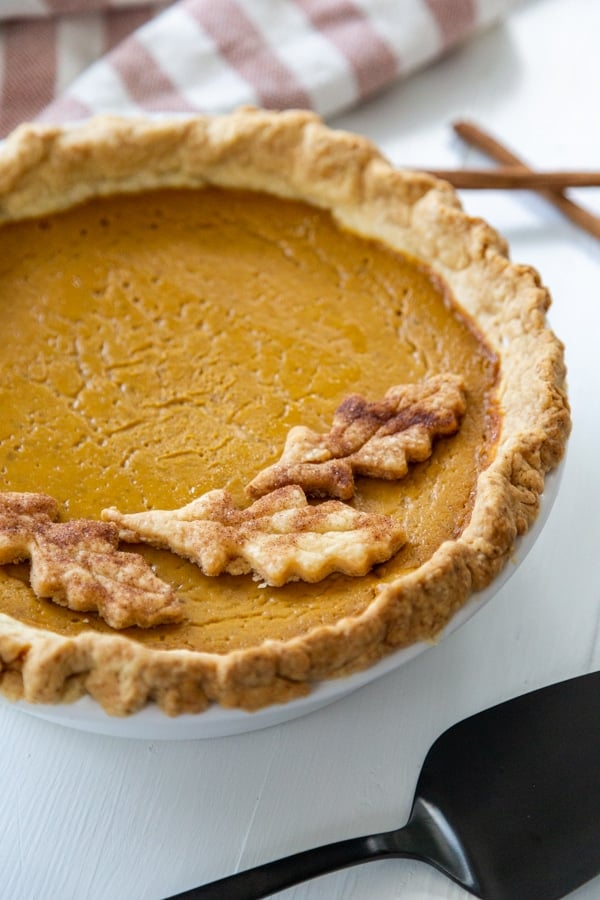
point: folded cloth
(62, 60)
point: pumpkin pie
(311, 396)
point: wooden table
(92, 817)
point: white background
(86, 816)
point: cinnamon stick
(477, 137)
(515, 178)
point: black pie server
(507, 804)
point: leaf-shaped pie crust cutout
(77, 564)
(280, 537)
(377, 439)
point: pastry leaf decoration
(77, 564)
(376, 439)
(279, 538)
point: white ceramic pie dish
(466, 251)
(152, 724)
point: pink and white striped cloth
(67, 59)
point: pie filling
(162, 345)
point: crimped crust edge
(292, 154)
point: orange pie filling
(161, 345)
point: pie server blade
(507, 804)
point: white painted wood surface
(98, 818)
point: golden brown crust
(280, 537)
(291, 154)
(377, 439)
(78, 564)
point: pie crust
(45, 169)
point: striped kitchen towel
(67, 59)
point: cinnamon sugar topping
(377, 439)
(77, 564)
(280, 537)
